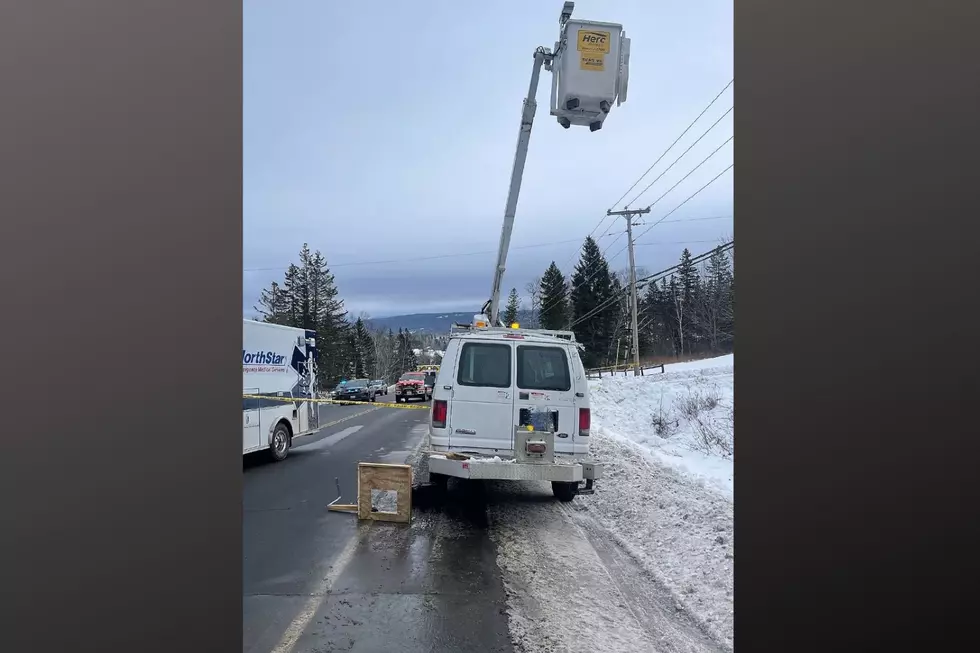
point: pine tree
(513, 307)
(325, 312)
(291, 290)
(364, 348)
(655, 327)
(593, 305)
(308, 299)
(553, 299)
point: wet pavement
(319, 581)
(430, 586)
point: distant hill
(435, 323)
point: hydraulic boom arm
(541, 55)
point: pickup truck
(411, 385)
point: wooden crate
(380, 476)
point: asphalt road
(318, 581)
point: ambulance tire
(279, 447)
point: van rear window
(485, 365)
(542, 368)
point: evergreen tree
(686, 298)
(513, 307)
(291, 289)
(364, 351)
(308, 299)
(553, 299)
(593, 305)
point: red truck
(411, 385)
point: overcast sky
(383, 132)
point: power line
(419, 258)
(692, 196)
(602, 221)
(682, 242)
(693, 122)
(683, 154)
(475, 253)
(669, 190)
(653, 278)
(646, 280)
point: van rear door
(544, 380)
(482, 405)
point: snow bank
(666, 442)
(684, 417)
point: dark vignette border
(120, 233)
(120, 245)
(856, 127)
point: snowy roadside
(572, 588)
(667, 445)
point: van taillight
(584, 421)
(439, 414)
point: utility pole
(628, 214)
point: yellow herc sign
(593, 41)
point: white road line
(331, 440)
(302, 620)
(319, 595)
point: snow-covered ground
(646, 563)
(684, 417)
(668, 445)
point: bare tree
(385, 355)
(713, 309)
(679, 313)
(533, 290)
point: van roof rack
(457, 328)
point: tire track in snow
(569, 587)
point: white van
(493, 383)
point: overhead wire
(471, 253)
(653, 278)
(710, 104)
(689, 198)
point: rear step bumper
(489, 469)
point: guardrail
(612, 370)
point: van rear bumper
(503, 470)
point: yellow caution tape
(339, 402)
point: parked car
(356, 390)
(411, 385)
(380, 386)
